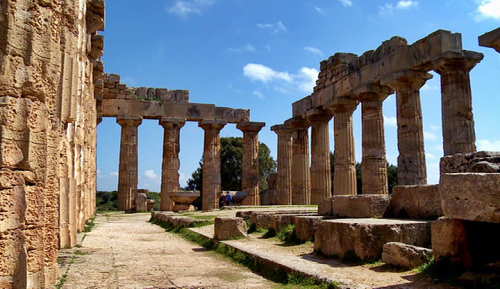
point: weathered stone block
(360, 206)
(416, 202)
(244, 214)
(141, 202)
(366, 237)
(404, 255)
(226, 228)
(471, 196)
(261, 220)
(280, 221)
(115, 78)
(477, 162)
(269, 197)
(325, 208)
(449, 241)
(306, 226)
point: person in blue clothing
(229, 199)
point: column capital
(454, 60)
(344, 104)
(491, 39)
(129, 120)
(407, 79)
(250, 126)
(372, 92)
(209, 124)
(297, 123)
(171, 122)
(281, 129)
(319, 115)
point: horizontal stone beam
(149, 109)
(491, 39)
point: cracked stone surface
(125, 251)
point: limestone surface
(404, 255)
(416, 202)
(361, 206)
(227, 228)
(306, 226)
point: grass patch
(89, 225)
(269, 234)
(443, 271)
(288, 235)
(81, 253)
(64, 277)
(295, 279)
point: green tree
(231, 166)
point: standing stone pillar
(374, 164)
(459, 135)
(321, 174)
(344, 176)
(284, 133)
(211, 163)
(411, 159)
(171, 162)
(251, 175)
(301, 172)
(128, 176)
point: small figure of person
(229, 199)
(222, 198)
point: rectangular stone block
(366, 237)
(280, 221)
(471, 196)
(416, 202)
(360, 206)
(325, 208)
(227, 228)
(477, 162)
(306, 226)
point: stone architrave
(128, 176)
(411, 159)
(321, 175)
(345, 157)
(171, 162)
(459, 135)
(211, 163)
(301, 173)
(491, 39)
(284, 133)
(251, 176)
(374, 164)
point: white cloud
(263, 73)
(488, 9)
(435, 127)
(486, 145)
(273, 27)
(268, 48)
(430, 156)
(433, 173)
(307, 79)
(185, 8)
(406, 4)
(259, 94)
(239, 50)
(183, 180)
(313, 50)
(429, 135)
(115, 174)
(388, 8)
(98, 171)
(346, 2)
(390, 121)
(321, 11)
(150, 174)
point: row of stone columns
(128, 174)
(300, 185)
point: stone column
(251, 176)
(301, 172)
(344, 176)
(128, 177)
(284, 133)
(459, 135)
(411, 159)
(321, 174)
(374, 164)
(171, 162)
(211, 163)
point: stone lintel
(281, 129)
(456, 60)
(407, 79)
(208, 124)
(250, 126)
(491, 39)
(319, 115)
(132, 120)
(298, 122)
(372, 92)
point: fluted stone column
(251, 176)
(321, 175)
(301, 172)
(211, 163)
(374, 163)
(459, 135)
(171, 162)
(284, 133)
(128, 176)
(411, 159)
(344, 176)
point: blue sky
(264, 55)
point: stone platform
(366, 237)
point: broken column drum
(128, 176)
(284, 163)
(171, 162)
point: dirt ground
(125, 251)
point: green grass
(89, 225)
(288, 236)
(294, 279)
